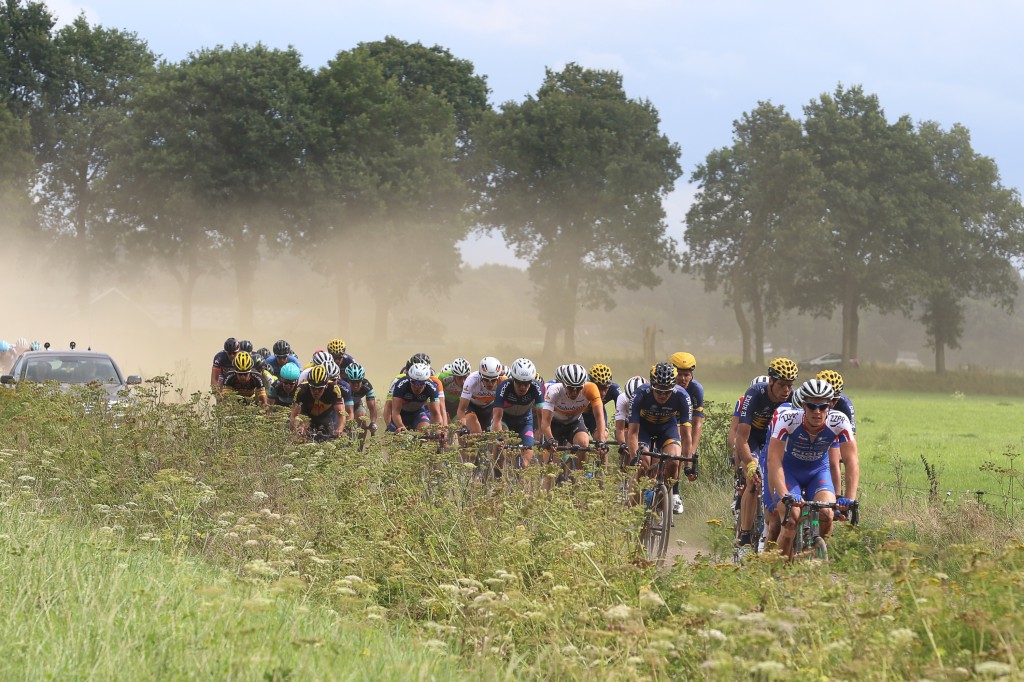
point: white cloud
(66, 11)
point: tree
(872, 180)
(397, 163)
(757, 212)
(86, 102)
(225, 139)
(579, 174)
(977, 230)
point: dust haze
(135, 314)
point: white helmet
(490, 368)
(460, 367)
(321, 357)
(333, 371)
(763, 379)
(633, 384)
(446, 368)
(560, 374)
(419, 371)
(816, 389)
(573, 376)
(523, 370)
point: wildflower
(259, 496)
(770, 667)
(583, 546)
(993, 668)
(902, 636)
(251, 543)
(26, 478)
(346, 591)
(231, 536)
(619, 612)
(712, 634)
(650, 598)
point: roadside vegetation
(210, 513)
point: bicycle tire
(820, 549)
(653, 535)
(666, 522)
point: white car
(70, 367)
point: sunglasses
(521, 384)
(281, 357)
(664, 391)
(417, 384)
(816, 407)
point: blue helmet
(4, 346)
(290, 372)
(355, 372)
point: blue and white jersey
(646, 410)
(805, 452)
(844, 405)
(517, 406)
(414, 401)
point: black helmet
(419, 357)
(281, 347)
(263, 352)
(231, 345)
(245, 345)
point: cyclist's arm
(685, 440)
(621, 426)
(733, 427)
(742, 447)
(296, 408)
(496, 414)
(599, 422)
(698, 428)
(388, 409)
(850, 457)
(633, 438)
(776, 475)
(460, 414)
(833, 467)
(435, 412)
(396, 413)
(339, 407)
(215, 377)
(545, 423)
(371, 407)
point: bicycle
(758, 530)
(570, 459)
(657, 500)
(808, 532)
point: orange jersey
(567, 409)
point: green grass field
(188, 540)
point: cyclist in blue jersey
(685, 364)
(282, 389)
(517, 404)
(759, 403)
(336, 347)
(660, 417)
(803, 458)
(362, 390)
(222, 363)
(282, 355)
(842, 401)
(601, 376)
(415, 400)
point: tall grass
(525, 585)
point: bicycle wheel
(654, 534)
(664, 498)
(820, 549)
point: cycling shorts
(808, 483)
(523, 427)
(566, 431)
(412, 420)
(657, 436)
(483, 415)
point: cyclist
(334, 379)
(415, 400)
(362, 390)
(245, 381)
(477, 397)
(336, 347)
(319, 358)
(245, 345)
(6, 359)
(222, 363)
(564, 404)
(601, 376)
(685, 364)
(803, 458)
(517, 403)
(282, 389)
(282, 356)
(323, 404)
(759, 403)
(452, 380)
(660, 416)
(622, 406)
(842, 401)
(418, 358)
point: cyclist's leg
(748, 507)
(420, 419)
(581, 437)
(820, 488)
(524, 427)
(789, 526)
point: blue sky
(702, 64)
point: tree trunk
(940, 357)
(186, 287)
(741, 320)
(572, 292)
(851, 322)
(247, 260)
(550, 336)
(758, 313)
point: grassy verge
(508, 583)
(91, 605)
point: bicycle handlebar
(854, 508)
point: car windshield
(71, 370)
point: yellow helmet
(683, 361)
(336, 347)
(832, 377)
(317, 376)
(783, 368)
(601, 374)
(242, 361)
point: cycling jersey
(343, 360)
(696, 393)
(476, 393)
(414, 402)
(433, 379)
(317, 407)
(646, 410)
(518, 407)
(346, 390)
(614, 390)
(805, 461)
(272, 366)
(254, 387)
(565, 409)
(365, 392)
(452, 392)
(757, 410)
(845, 406)
(279, 395)
(222, 361)
(622, 404)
